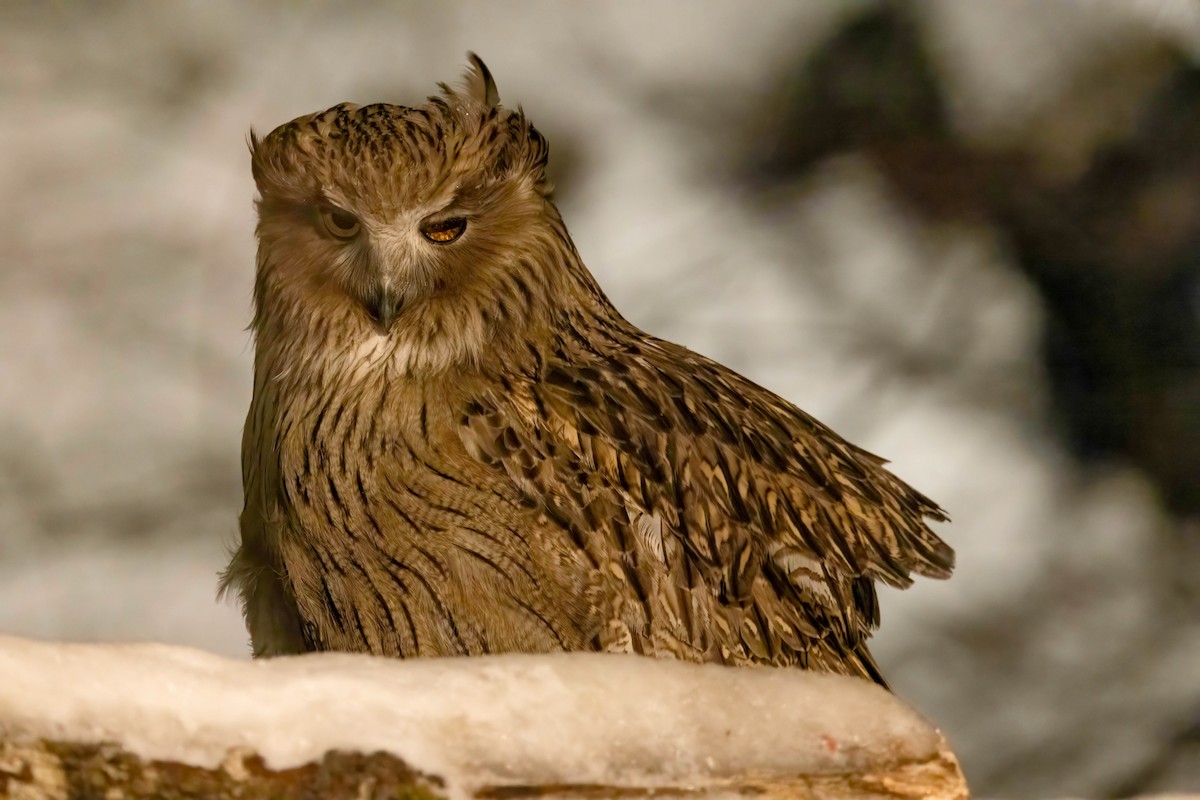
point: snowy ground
(578, 719)
(126, 262)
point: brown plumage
(456, 445)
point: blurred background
(965, 235)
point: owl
(456, 445)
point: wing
(782, 518)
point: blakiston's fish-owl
(456, 445)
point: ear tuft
(257, 166)
(478, 83)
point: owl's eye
(444, 231)
(339, 224)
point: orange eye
(339, 224)
(445, 231)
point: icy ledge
(150, 720)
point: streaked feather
(509, 465)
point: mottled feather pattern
(508, 464)
(786, 523)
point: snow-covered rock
(145, 719)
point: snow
(518, 719)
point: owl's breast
(396, 541)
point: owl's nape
(456, 445)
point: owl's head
(409, 217)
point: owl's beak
(387, 279)
(383, 307)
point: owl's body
(456, 444)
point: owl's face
(392, 211)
